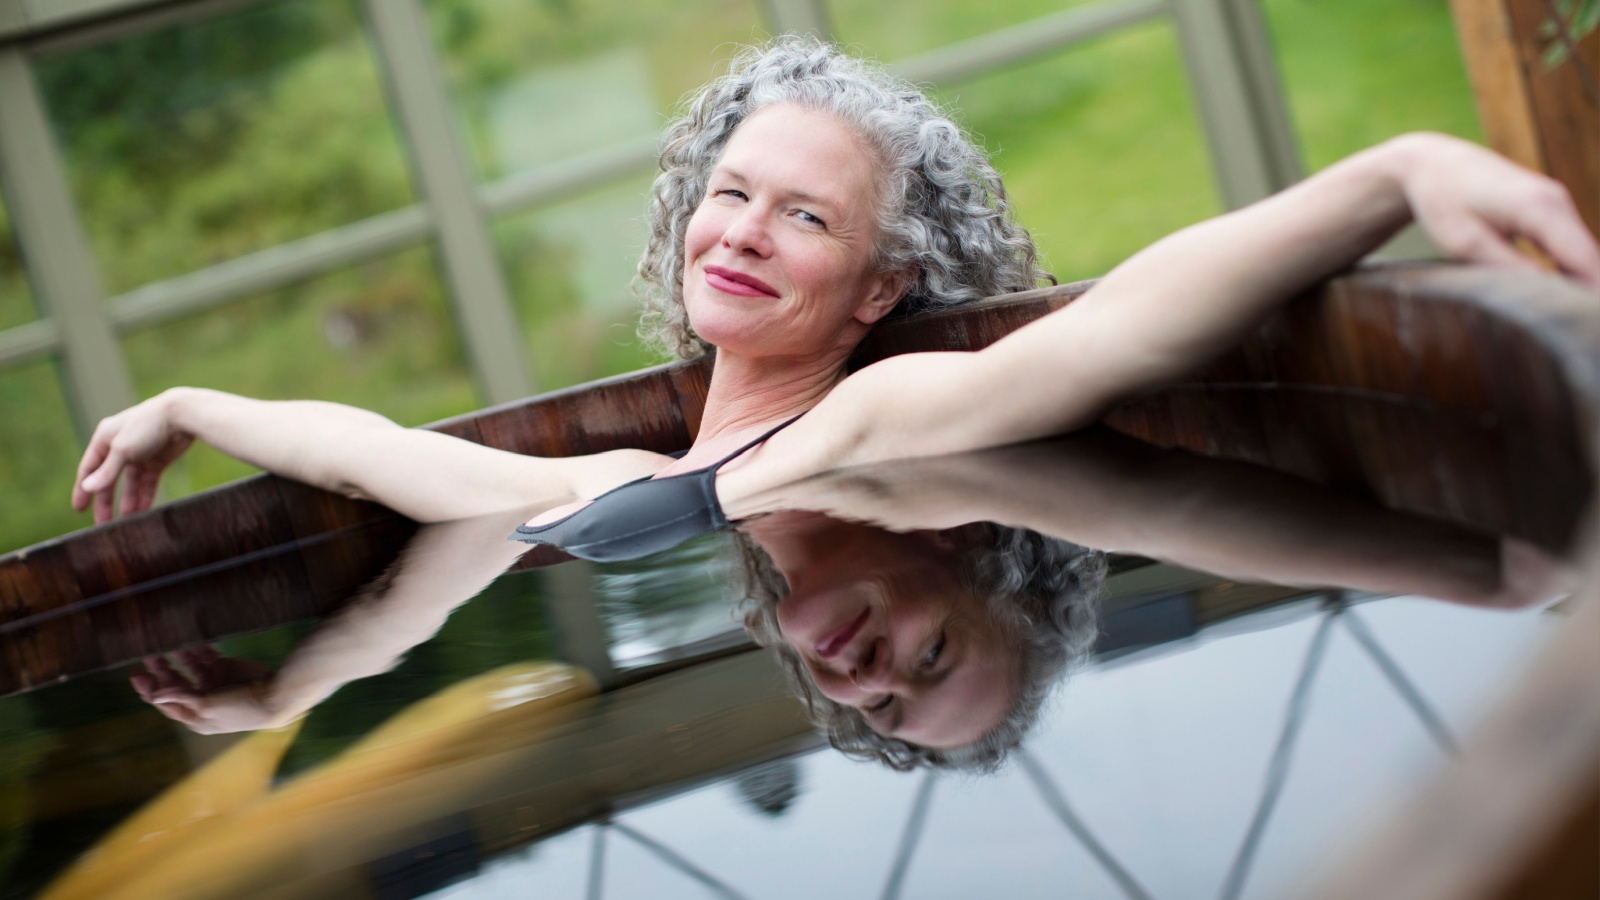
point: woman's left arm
(1190, 296)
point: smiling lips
(730, 282)
(831, 644)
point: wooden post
(1544, 117)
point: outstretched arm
(1190, 296)
(425, 475)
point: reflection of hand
(140, 442)
(1531, 577)
(1473, 203)
(210, 693)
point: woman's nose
(871, 670)
(748, 232)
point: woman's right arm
(424, 475)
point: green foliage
(38, 456)
(1360, 71)
(16, 300)
(378, 336)
(1098, 147)
(219, 67)
(1572, 22)
(287, 140)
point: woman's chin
(741, 339)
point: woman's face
(778, 254)
(886, 626)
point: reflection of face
(885, 626)
(778, 256)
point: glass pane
(1360, 71)
(570, 266)
(662, 607)
(1098, 145)
(218, 137)
(39, 453)
(894, 29)
(540, 82)
(379, 336)
(16, 298)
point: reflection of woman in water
(804, 197)
(993, 617)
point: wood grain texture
(1488, 47)
(1565, 100)
(1545, 117)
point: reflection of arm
(1231, 519)
(422, 474)
(442, 566)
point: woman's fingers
(1472, 239)
(201, 663)
(1552, 222)
(179, 711)
(139, 489)
(166, 677)
(102, 484)
(92, 458)
(144, 686)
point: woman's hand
(211, 693)
(138, 442)
(1474, 204)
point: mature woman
(804, 197)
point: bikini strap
(757, 442)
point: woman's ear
(885, 295)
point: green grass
(1099, 146)
(1360, 71)
(16, 299)
(38, 456)
(253, 161)
(378, 336)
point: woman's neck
(752, 394)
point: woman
(804, 197)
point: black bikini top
(642, 517)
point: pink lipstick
(831, 644)
(737, 283)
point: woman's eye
(881, 705)
(931, 659)
(729, 192)
(810, 219)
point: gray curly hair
(942, 214)
(1042, 591)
